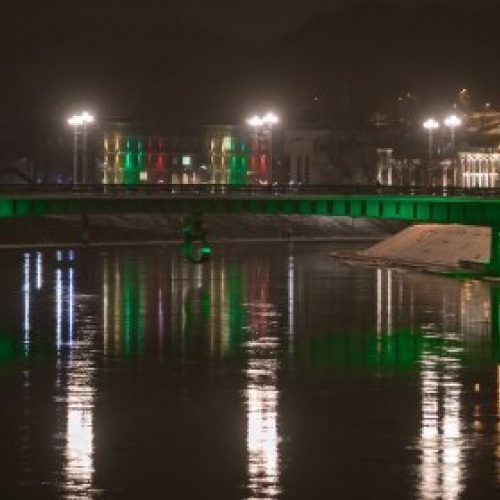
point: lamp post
(452, 122)
(87, 119)
(430, 125)
(270, 119)
(265, 123)
(256, 123)
(75, 121)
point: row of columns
(446, 175)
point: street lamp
(265, 123)
(452, 122)
(270, 119)
(255, 121)
(87, 119)
(430, 125)
(75, 121)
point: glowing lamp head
(87, 117)
(453, 121)
(75, 120)
(255, 121)
(431, 124)
(270, 119)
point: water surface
(271, 371)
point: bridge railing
(240, 190)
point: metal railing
(171, 190)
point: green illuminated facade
(229, 155)
(217, 155)
(133, 157)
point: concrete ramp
(437, 244)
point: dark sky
(253, 19)
(215, 60)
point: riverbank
(161, 228)
(430, 247)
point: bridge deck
(473, 207)
(479, 207)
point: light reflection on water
(263, 434)
(79, 453)
(442, 442)
(75, 385)
(269, 314)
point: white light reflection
(379, 304)
(26, 300)
(105, 304)
(39, 271)
(58, 309)
(76, 373)
(79, 466)
(441, 434)
(430, 429)
(451, 437)
(262, 436)
(71, 304)
(291, 296)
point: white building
(479, 168)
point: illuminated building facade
(230, 157)
(478, 164)
(216, 154)
(479, 168)
(391, 171)
(131, 157)
(240, 155)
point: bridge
(477, 206)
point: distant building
(308, 154)
(479, 168)
(468, 156)
(236, 155)
(215, 154)
(133, 155)
(483, 126)
(391, 171)
(478, 162)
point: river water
(271, 371)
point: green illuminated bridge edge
(471, 207)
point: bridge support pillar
(195, 235)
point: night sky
(214, 61)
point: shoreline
(443, 271)
(355, 258)
(456, 249)
(222, 241)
